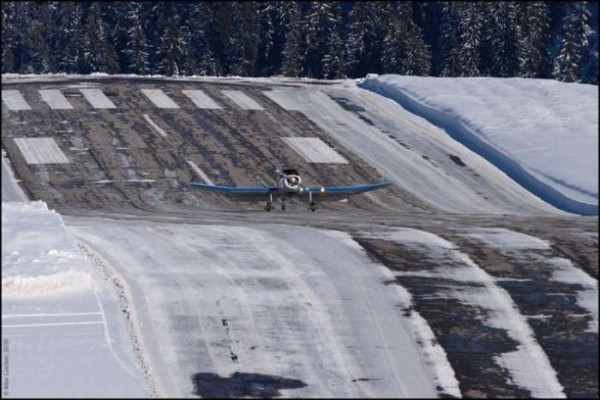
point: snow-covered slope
(542, 133)
(62, 334)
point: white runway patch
(242, 100)
(157, 128)
(314, 150)
(201, 99)
(159, 98)
(200, 173)
(41, 151)
(97, 99)
(282, 100)
(14, 100)
(55, 99)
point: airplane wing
(332, 193)
(242, 193)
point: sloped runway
(233, 301)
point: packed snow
(62, 333)
(528, 366)
(542, 133)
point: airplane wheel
(313, 209)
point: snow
(315, 311)
(11, 191)
(528, 366)
(314, 150)
(542, 133)
(563, 270)
(501, 238)
(491, 192)
(57, 316)
(309, 301)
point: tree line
(316, 39)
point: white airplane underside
(289, 186)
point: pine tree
(292, 52)
(504, 39)
(575, 41)
(532, 38)
(243, 42)
(98, 53)
(320, 25)
(135, 48)
(333, 60)
(271, 38)
(449, 39)
(170, 45)
(197, 55)
(9, 37)
(364, 46)
(405, 51)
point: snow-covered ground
(542, 133)
(97, 307)
(63, 332)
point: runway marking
(53, 324)
(97, 99)
(41, 151)
(279, 97)
(159, 98)
(201, 99)
(200, 172)
(49, 315)
(156, 127)
(314, 150)
(14, 100)
(55, 99)
(242, 100)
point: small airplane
(289, 186)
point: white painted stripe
(14, 100)
(200, 172)
(53, 324)
(242, 100)
(282, 99)
(97, 99)
(201, 99)
(50, 315)
(314, 150)
(55, 99)
(41, 151)
(159, 98)
(156, 127)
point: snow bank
(28, 286)
(542, 133)
(39, 257)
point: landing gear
(312, 206)
(282, 205)
(269, 206)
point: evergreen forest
(317, 39)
